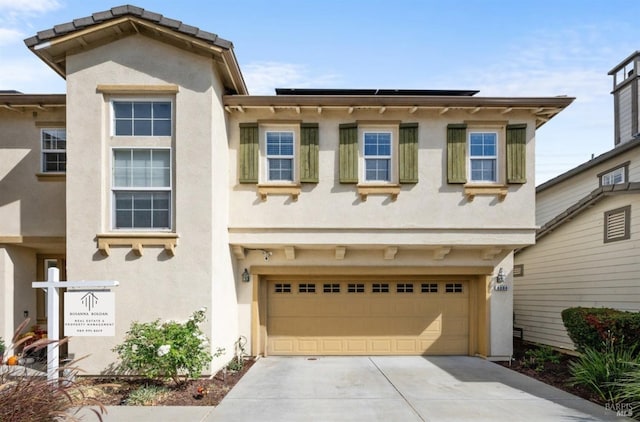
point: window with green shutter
(348, 152)
(456, 153)
(309, 136)
(408, 153)
(517, 153)
(249, 153)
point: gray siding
(574, 267)
(624, 113)
(554, 200)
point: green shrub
(592, 327)
(602, 369)
(166, 350)
(629, 388)
(537, 357)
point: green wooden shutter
(457, 153)
(248, 154)
(348, 153)
(408, 153)
(309, 134)
(517, 153)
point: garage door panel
(393, 321)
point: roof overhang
(584, 204)
(55, 44)
(20, 102)
(543, 108)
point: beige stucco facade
(324, 230)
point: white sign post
(52, 285)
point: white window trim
(611, 174)
(43, 151)
(496, 157)
(362, 163)
(112, 115)
(113, 189)
(264, 157)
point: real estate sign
(89, 313)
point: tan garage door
(368, 318)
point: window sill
(292, 190)
(471, 191)
(51, 177)
(137, 241)
(366, 190)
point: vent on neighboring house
(518, 270)
(617, 224)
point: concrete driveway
(396, 389)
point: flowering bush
(169, 349)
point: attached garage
(388, 316)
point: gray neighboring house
(587, 250)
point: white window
(54, 150)
(377, 156)
(141, 188)
(280, 155)
(483, 156)
(613, 177)
(142, 118)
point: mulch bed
(200, 392)
(555, 374)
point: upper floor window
(141, 188)
(280, 155)
(377, 156)
(54, 150)
(483, 156)
(142, 118)
(614, 176)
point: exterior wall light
(246, 277)
(500, 277)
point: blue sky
(500, 47)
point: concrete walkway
(380, 389)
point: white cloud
(31, 76)
(29, 6)
(263, 77)
(10, 36)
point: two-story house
(310, 222)
(586, 253)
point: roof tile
(152, 16)
(170, 23)
(82, 22)
(106, 15)
(120, 10)
(102, 16)
(31, 41)
(188, 29)
(64, 28)
(207, 36)
(46, 34)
